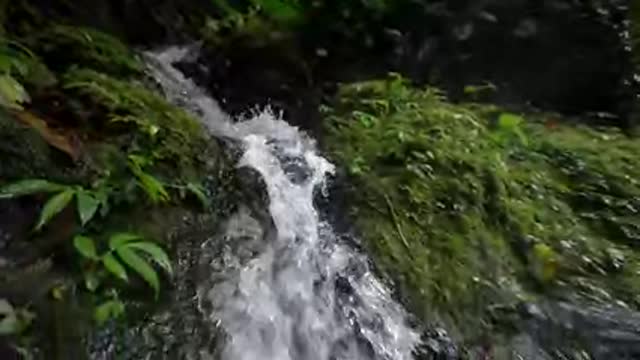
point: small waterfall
(298, 294)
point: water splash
(294, 293)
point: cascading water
(298, 294)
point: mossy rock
(469, 208)
(25, 154)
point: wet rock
(437, 345)
(604, 332)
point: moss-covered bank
(77, 108)
(471, 209)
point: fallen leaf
(65, 142)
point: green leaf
(8, 319)
(54, 206)
(102, 196)
(12, 94)
(85, 246)
(87, 206)
(110, 309)
(27, 187)
(113, 266)
(281, 10)
(120, 239)
(154, 188)
(509, 122)
(13, 321)
(155, 252)
(141, 266)
(197, 190)
(91, 281)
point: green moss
(144, 121)
(468, 210)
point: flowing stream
(295, 291)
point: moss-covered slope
(470, 209)
(77, 108)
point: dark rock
(605, 332)
(556, 55)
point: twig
(396, 222)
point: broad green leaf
(54, 206)
(139, 265)
(26, 187)
(199, 193)
(155, 252)
(108, 310)
(87, 206)
(113, 266)
(508, 121)
(12, 94)
(85, 246)
(120, 239)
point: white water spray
(300, 295)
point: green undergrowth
(140, 120)
(97, 104)
(469, 209)
(91, 145)
(67, 45)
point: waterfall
(300, 293)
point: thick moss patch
(469, 209)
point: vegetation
(83, 129)
(469, 208)
(126, 246)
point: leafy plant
(111, 308)
(125, 251)
(13, 321)
(87, 201)
(12, 63)
(74, 45)
(152, 186)
(163, 131)
(509, 126)
(461, 215)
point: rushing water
(293, 292)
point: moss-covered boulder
(470, 209)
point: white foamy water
(299, 294)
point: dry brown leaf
(63, 141)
